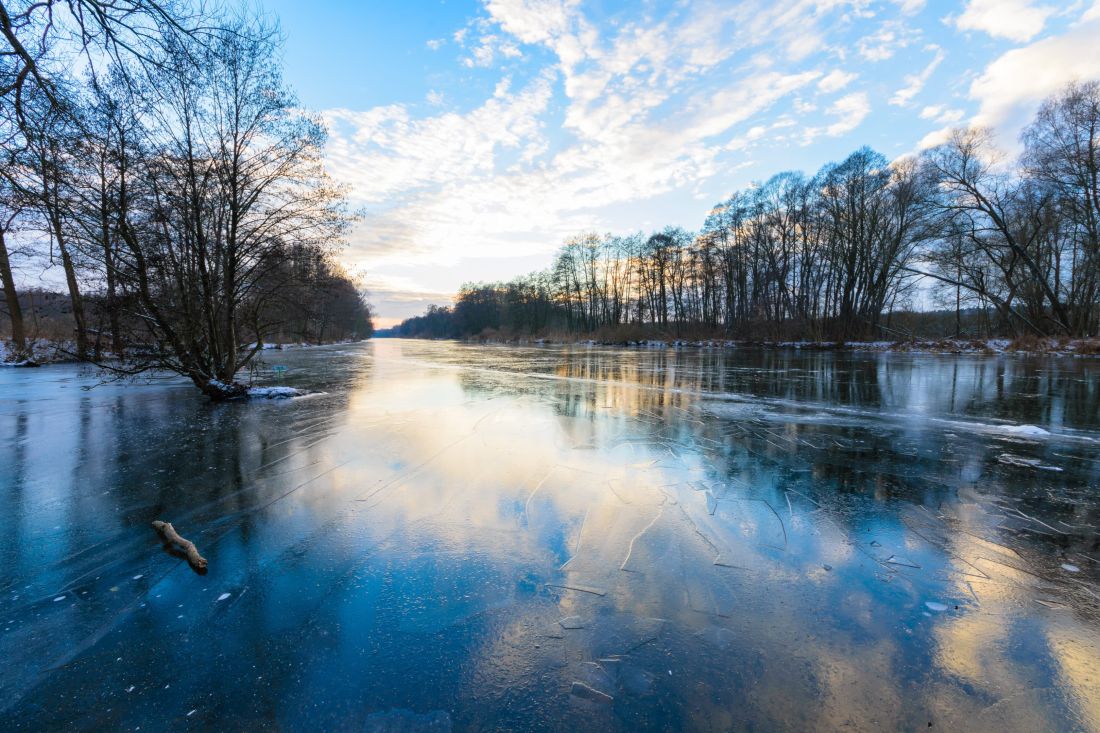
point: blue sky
(478, 135)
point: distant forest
(1014, 245)
(151, 153)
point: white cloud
(941, 115)
(914, 83)
(910, 7)
(1016, 20)
(936, 137)
(890, 38)
(852, 110)
(533, 21)
(487, 47)
(1012, 86)
(385, 152)
(849, 111)
(803, 107)
(495, 214)
(835, 81)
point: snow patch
(1029, 430)
(274, 393)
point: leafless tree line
(833, 254)
(155, 151)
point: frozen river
(466, 538)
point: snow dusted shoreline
(45, 352)
(41, 352)
(1054, 347)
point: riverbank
(37, 353)
(1026, 345)
(43, 352)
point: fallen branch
(171, 537)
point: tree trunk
(75, 298)
(18, 336)
(218, 390)
(109, 270)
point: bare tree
(43, 39)
(1062, 155)
(1005, 219)
(50, 141)
(228, 186)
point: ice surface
(465, 537)
(407, 721)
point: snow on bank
(1030, 431)
(236, 390)
(300, 345)
(275, 393)
(37, 354)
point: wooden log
(171, 537)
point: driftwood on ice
(171, 537)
